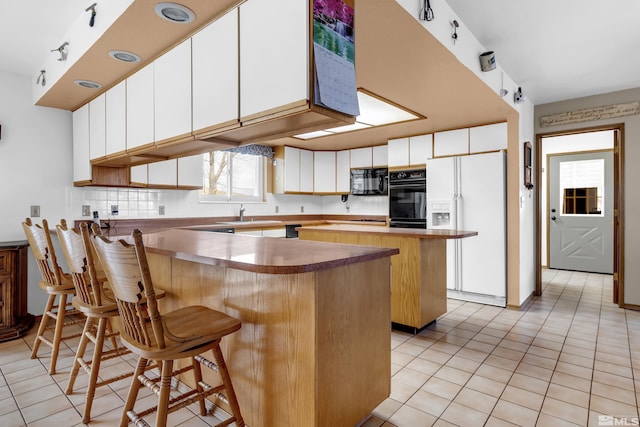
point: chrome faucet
(241, 213)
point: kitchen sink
(259, 222)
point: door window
(582, 187)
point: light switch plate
(114, 210)
(161, 210)
(86, 210)
(35, 211)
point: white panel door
(451, 143)
(581, 212)
(306, 171)
(97, 134)
(420, 149)
(291, 169)
(488, 138)
(361, 157)
(398, 152)
(172, 92)
(81, 162)
(343, 171)
(140, 104)
(324, 172)
(163, 173)
(274, 54)
(379, 156)
(116, 112)
(215, 72)
(190, 171)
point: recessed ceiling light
(124, 56)
(88, 84)
(175, 12)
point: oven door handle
(396, 185)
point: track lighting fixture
(62, 50)
(92, 8)
(41, 78)
(454, 36)
(518, 96)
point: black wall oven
(408, 198)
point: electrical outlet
(86, 210)
(114, 210)
(301, 209)
(161, 210)
(277, 209)
(35, 211)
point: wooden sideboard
(15, 321)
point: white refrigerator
(468, 193)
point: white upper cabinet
(140, 106)
(451, 143)
(291, 169)
(172, 94)
(116, 118)
(398, 152)
(215, 73)
(190, 171)
(138, 175)
(81, 164)
(361, 157)
(306, 171)
(488, 138)
(420, 149)
(97, 133)
(324, 172)
(379, 156)
(274, 55)
(343, 171)
(164, 173)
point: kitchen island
(419, 276)
(314, 347)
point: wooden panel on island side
(418, 278)
(314, 346)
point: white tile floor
(569, 358)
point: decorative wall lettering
(591, 114)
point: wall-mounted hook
(62, 50)
(41, 78)
(92, 8)
(454, 36)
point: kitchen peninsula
(419, 276)
(314, 347)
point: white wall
(35, 166)
(631, 153)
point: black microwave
(369, 182)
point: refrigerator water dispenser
(440, 214)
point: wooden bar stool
(184, 333)
(57, 284)
(93, 300)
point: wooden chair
(184, 333)
(59, 287)
(93, 300)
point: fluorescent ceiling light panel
(376, 112)
(373, 112)
(347, 128)
(316, 134)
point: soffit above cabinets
(138, 30)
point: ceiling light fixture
(174, 12)
(88, 84)
(124, 56)
(373, 112)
